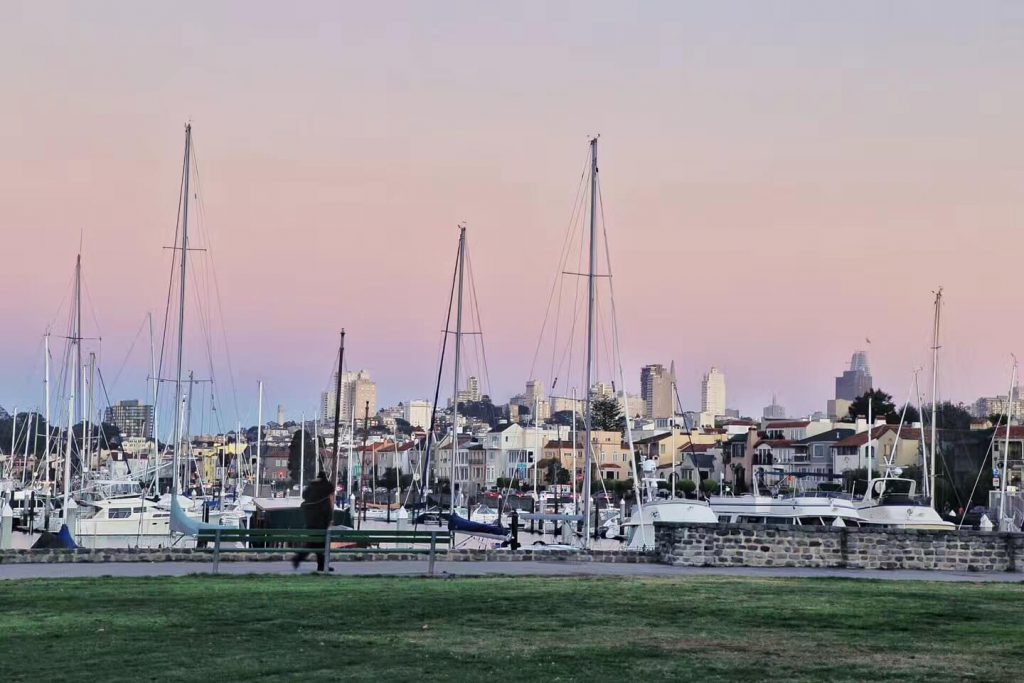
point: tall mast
(351, 456)
(46, 392)
(337, 401)
(935, 394)
(575, 500)
(458, 352)
(77, 334)
(67, 460)
(89, 423)
(259, 443)
(302, 454)
(156, 384)
(591, 295)
(186, 167)
(1003, 522)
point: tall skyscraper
(356, 389)
(774, 411)
(133, 418)
(472, 391)
(656, 390)
(857, 380)
(712, 392)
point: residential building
(852, 452)
(132, 418)
(417, 413)
(813, 455)
(656, 390)
(1000, 405)
(712, 392)
(794, 430)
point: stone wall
(206, 555)
(758, 545)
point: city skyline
(330, 155)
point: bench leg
(216, 551)
(430, 562)
(327, 551)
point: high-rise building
(774, 411)
(857, 380)
(417, 413)
(356, 389)
(712, 392)
(534, 400)
(133, 418)
(471, 394)
(656, 389)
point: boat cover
(456, 523)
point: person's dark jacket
(316, 504)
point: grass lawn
(501, 629)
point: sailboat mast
(302, 454)
(46, 392)
(67, 460)
(458, 352)
(156, 384)
(77, 334)
(351, 456)
(259, 443)
(186, 167)
(1003, 522)
(591, 295)
(337, 401)
(935, 395)
(575, 500)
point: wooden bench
(275, 540)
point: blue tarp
(65, 537)
(456, 523)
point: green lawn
(500, 629)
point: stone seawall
(227, 555)
(758, 545)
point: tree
(606, 416)
(881, 406)
(403, 426)
(911, 415)
(709, 486)
(564, 418)
(295, 457)
(687, 486)
(951, 416)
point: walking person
(318, 508)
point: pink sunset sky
(780, 181)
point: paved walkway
(419, 568)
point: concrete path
(450, 569)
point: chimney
(861, 425)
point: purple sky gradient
(780, 180)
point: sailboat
(892, 501)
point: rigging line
(575, 229)
(170, 287)
(437, 386)
(479, 324)
(92, 308)
(216, 283)
(128, 354)
(989, 453)
(204, 325)
(564, 249)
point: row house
(852, 452)
(794, 430)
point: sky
(781, 181)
